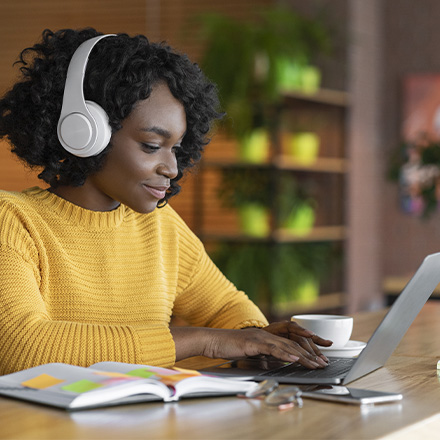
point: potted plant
(303, 146)
(253, 60)
(290, 272)
(248, 191)
(296, 206)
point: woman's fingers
(291, 328)
(301, 331)
(305, 338)
(230, 344)
(321, 341)
(304, 357)
(313, 355)
(284, 348)
(310, 346)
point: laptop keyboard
(337, 367)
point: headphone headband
(83, 128)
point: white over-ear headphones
(83, 127)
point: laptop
(379, 348)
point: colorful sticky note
(112, 374)
(117, 380)
(81, 386)
(161, 371)
(42, 381)
(141, 372)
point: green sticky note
(81, 386)
(140, 372)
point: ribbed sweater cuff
(251, 323)
(157, 346)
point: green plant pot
(254, 220)
(301, 220)
(288, 74)
(304, 147)
(310, 79)
(255, 147)
(292, 75)
(307, 292)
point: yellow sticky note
(42, 381)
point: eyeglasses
(275, 397)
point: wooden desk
(411, 371)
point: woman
(93, 266)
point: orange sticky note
(42, 381)
(189, 372)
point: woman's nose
(168, 166)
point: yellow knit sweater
(80, 286)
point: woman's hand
(280, 340)
(305, 338)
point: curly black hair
(120, 72)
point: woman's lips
(158, 192)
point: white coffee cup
(337, 328)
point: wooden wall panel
(177, 24)
(201, 188)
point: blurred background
(319, 190)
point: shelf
(232, 238)
(322, 96)
(234, 163)
(324, 233)
(324, 302)
(285, 162)
(321, 164)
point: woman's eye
(150, 148)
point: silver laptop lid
(391, 330)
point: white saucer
(350, 349)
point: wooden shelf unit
(327, 109)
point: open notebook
(113, 383)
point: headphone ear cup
(83, 127)
(103, 129)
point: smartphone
(343, 394)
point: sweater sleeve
(211, 300)
(29, 336)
